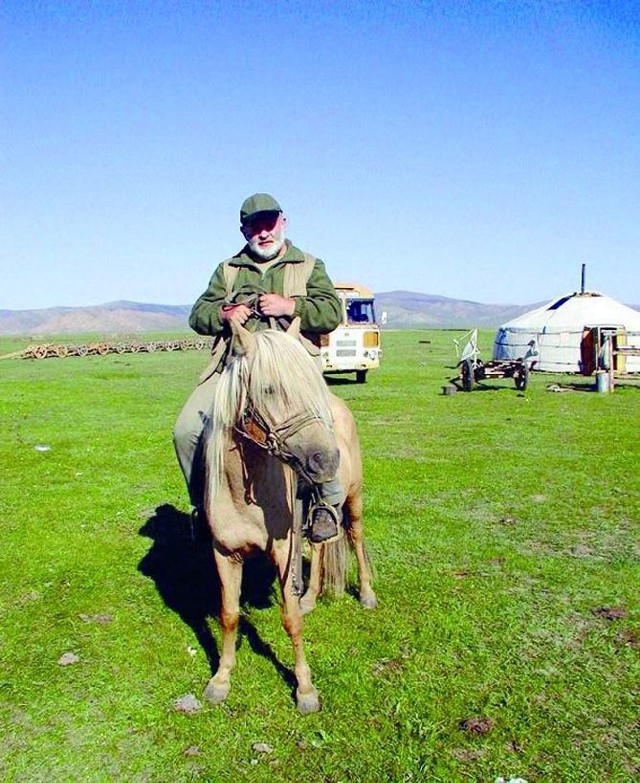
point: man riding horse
(266, 285)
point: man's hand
(238, 314)
(275, 305)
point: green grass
(499, 524)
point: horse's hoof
(369, 600)
(308, 702)
(307, 605)
(216, 693)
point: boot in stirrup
(323, 522)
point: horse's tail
(335, 562)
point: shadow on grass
(481, 386)
(571, 386)
(579, 387)
(180, 562)
(340, 380)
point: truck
(354, 346)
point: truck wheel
(361, 376)
(521, 378)
(467, 375)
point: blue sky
(476, 150)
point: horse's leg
(314, 586)
(230, 573)
(355, 531)
(306, 695)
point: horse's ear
(243, 341)
(294, 328)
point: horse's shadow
(180, 562)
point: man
(273, 279)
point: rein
(254, 428)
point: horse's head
(273, 394)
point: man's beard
(270, 252)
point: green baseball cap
(259, 202)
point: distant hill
(404, 309)
(111, 318)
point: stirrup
(310, 527)
(333, 511)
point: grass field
(504, 531)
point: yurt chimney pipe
(584, 266)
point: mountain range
(404, 309)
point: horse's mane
(278, 369)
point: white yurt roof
(557, 329)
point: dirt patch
(68, 659)
(478, 725)
(466, 755)
(187, 704)
(628, 638)
(100, 619)
(387, 667)
(611, 612)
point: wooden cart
(473, 370)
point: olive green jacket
(320, 311)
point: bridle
(252, 426)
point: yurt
(569, 334)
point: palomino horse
(275, 421)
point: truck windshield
(360, 311)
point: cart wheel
(467, 375)
(521, 377)
(361, 376)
